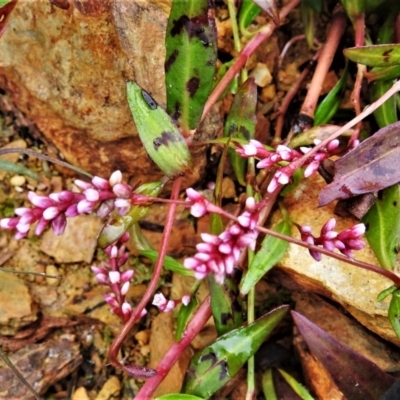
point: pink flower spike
(185, 300)
(125, 288)
(127, 309)
(59, 224)
(40, 201)
(100, 183)
(82, 184)
(328, 226)
(159, 300)
(85, 206)
(114, 276)
(50, 213)
(127, 275)
(91, 195)
(116, 177)
(122, 190)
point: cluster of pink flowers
(345, 241)
(283, 154)
(53, 210)
(219, 254)
(109, 274)
(165, 305)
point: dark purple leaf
(371, 166)
(356, 376)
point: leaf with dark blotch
(371, 166)
(219, 362)
(191, 55)
(394, 312)
(382, 55)
(383, 226)
(356, 376)
(241, 123)
(226, 304)
(159, 134)
(6, 6)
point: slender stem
(324, 62)
(244, 55)
(194, 327)
(116, 345)
(289, 97)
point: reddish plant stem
(289, 97)
(336, 31)
(116, 345)
(243, 56)
(194, 327)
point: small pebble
(143, 337)
(110, 389)
(80, 394)
(17, 180)
(52, 270)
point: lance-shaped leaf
(117, 224)
(297, 387)
(329, 106)
(226, 305)
(219, 362)
(185, 314)
(271, 251)
(371, 166)
(241, 123)
(248, 11)
(268, 385)
(386, 114)
(383, 226)
(160, 137)
(191, 55)
(394, 312)
(357, 377)
(310, 10)
(382, 55)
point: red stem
(336, 31)
(116, 345)
(194, 327)
(243, 56)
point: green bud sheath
(160, 137)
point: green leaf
(383, 226)
(298, 388)
(271, 251)
(385, 293)
(219, 362)
(331, 103)
(394, 312)
(178, 396)
(268, 385)
(226, 305)
(383, 55)
(310, 10)
(248, 11)
(241, 123)
(191, 55)
(184, 316)
(18, 169)
(118, 224)
(169, 263)
(383, 73)
(386, 114)
(4, 2)
(160, 137)
(354, 8)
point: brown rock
(354, 288)
(16, 306)
(69, 74)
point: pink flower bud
(50, 213)
(114, 276)
(59, 224)
(127, 309)
(127, 275)
(82, 184)
(40, 201)
(116, 177)
(185, 300)
(92, 195)
(122, 190)
(100, 183)
(125, 288)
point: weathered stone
(69, 75)
(16, 305)
(353, 287)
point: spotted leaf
(191, 45)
